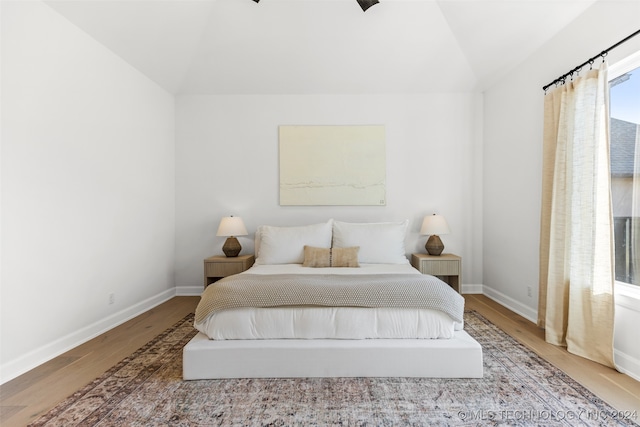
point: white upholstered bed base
(458, 357)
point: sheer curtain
(576, 305)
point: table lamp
(231, 226)
(434, 225)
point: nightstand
(219, 266)
(447, 267)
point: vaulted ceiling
(321, 46)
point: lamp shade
(434, 225)
(231, 226)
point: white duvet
(328, 322)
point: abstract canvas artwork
(332, 165)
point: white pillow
(380, 243)
(285, 245)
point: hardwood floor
(25, 398)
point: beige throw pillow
(330, 257)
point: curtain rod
(602, 54)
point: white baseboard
(34, 358)
(627, 364)
(513, 305)
(471, 289)
(10, 370)
(189, 291)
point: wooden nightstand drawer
(448, 267)
(223, 269)
(440, 268)
(216, 267)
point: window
(624, 86)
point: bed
(331, 300)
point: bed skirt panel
(458, 357)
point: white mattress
(328, 322)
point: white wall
(227, 163)
(513, 125)
(88, 182)
(87, 188)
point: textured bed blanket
(373, 291)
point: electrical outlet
(529, 291)
(112, 299)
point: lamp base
(434, 245)
(231, 247)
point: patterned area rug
(518, 388)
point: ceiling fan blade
(366, 4)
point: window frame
(615, 70)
